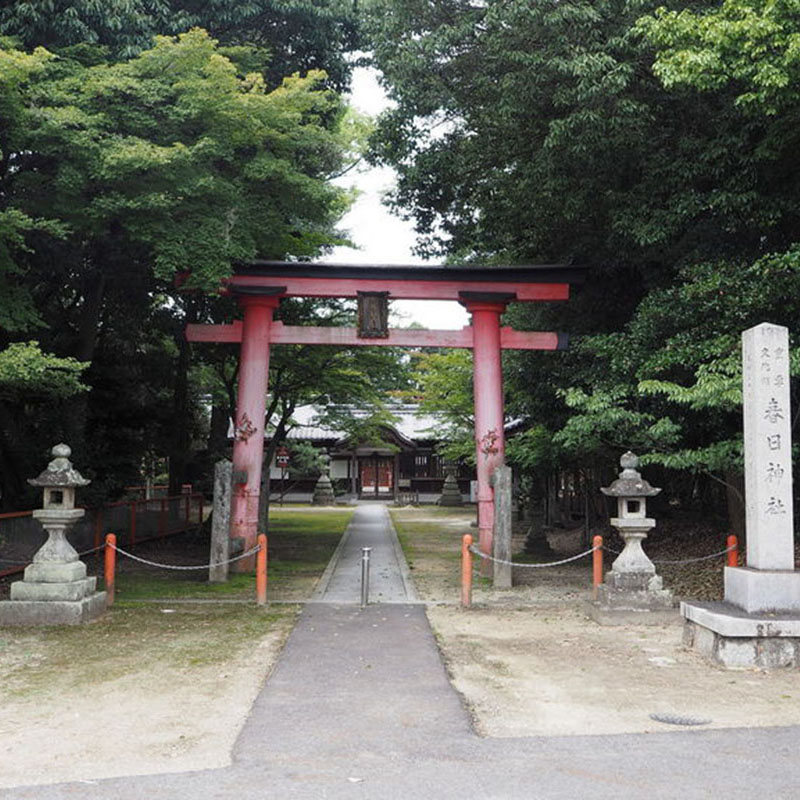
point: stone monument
(502, 577)
(55, 590)
(323, 489)
(221, 522)
(758, 623)
(632, 591)
(451, 494)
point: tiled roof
(410, 423)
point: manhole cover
(679, 719)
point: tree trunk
(181, 406)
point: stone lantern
(55, 589)
(451, 494)
(632, 592)
(323, 489)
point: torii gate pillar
(248, 442)
(489, 418)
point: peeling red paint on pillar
(248, 442)
(489, 418)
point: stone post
(501, 483)
(220, 521)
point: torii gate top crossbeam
(406, 282)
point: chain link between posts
(588, 552)
(247, 554)
(494, 560)
(25, 563)
(682, 560)
(149, 563)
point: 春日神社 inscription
(767, 447)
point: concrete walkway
(359, 706)
(389, 581)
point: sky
(383, 238)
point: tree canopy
(120, 179)
(655, 144)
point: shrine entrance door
(377, 475)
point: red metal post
(597, 562)
(162, 518)
(466, 571)
(489, 417)
(733, 552)
(261, 570)
(248, 442)
(187, 508)
(110, 567)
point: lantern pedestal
(632, 593)
(55, 589)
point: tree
(538, 132)
(174, 162)
(752, 45)
(282, 37)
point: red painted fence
(131, 520)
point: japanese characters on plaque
(768, 445)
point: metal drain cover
(679, 719)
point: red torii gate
(484, 292)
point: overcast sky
(381, 237)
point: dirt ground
(168, 690)
(527, 662)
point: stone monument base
(451, 494)
(633, 599)
(53, 594)
(732, 637)
(763, 590)
(52, 612)
(323, 492)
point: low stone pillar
(55, 589)
(221, 522)
(632, 592)
(501, 542)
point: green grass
(431, 540)
(300, 546)
(131, 638)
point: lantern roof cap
(630, 482)
(60, 472)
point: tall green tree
(124, 176)
(539, 132)
(285, 36)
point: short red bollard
(733, 551)
(466, 571)
(597, 562)
(261, 570)
(110, 567)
